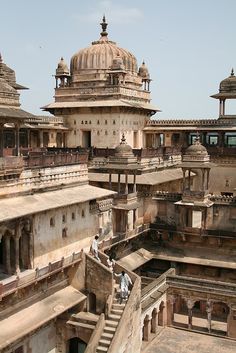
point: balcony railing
(12, 284)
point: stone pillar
(170, 310)
(17, 138)
(8, 255)
(119, 183)
(154, 322)
(110, 185)
(190, 304)
(40, 138)
(184, 180)
(31, 250)
(1, 139)
(28, 138)
(17, 249)
(134, 188)
(209, 307)
(146, 328)
(126, 184)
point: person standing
(110, 263)
(125, 281)
(94, 248)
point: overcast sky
(188, 45)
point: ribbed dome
(100, 55)
(228, 84)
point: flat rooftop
(172, 340)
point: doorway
(86, 139)
(76, 345)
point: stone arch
(161, 314)
(220, 311)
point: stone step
(118, 306)
(117, 311)
(109, 329)
(111, 323)
(81, 324)
(114, 317)
(101, 349)
(106, 335)
(104, 343)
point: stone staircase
(111, 322)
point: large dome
(100, 55)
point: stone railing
(49, 159)
(45, 119)
(189, 122)
(12, 284)
(11, 164)
(154, 285)
(223, 199)
(106, 244)
(169, 196)
(204, 285)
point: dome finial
(104, 27)
(232, 72)
(197, 139)
(123, 139)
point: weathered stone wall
(72, 230)
(99, 281)
(106, 126)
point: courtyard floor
(171, 340)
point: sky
(188, 46)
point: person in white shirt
(125, 281)
(94, 248)
(110, 263)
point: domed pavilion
(103, 95)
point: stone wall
(71, 230)
(98, 281)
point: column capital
(189, 302)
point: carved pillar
(28, 138)
(110, 185)
(126, 183)
(119, 183)
(170, 310)
(17, 248)
(1, 139)
(17, 138)
(146, 328)
(41, 138)
(209, 308)
(8, 255)
(134, 188)
(190, 304)
(154, 321)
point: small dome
(143, 71)
(62, 68)
(123, 149)
(196, 148)
(228, 84)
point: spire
(1, 58)
(104, 27)
(232, 72)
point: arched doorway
(76, 345)
(92, 303)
